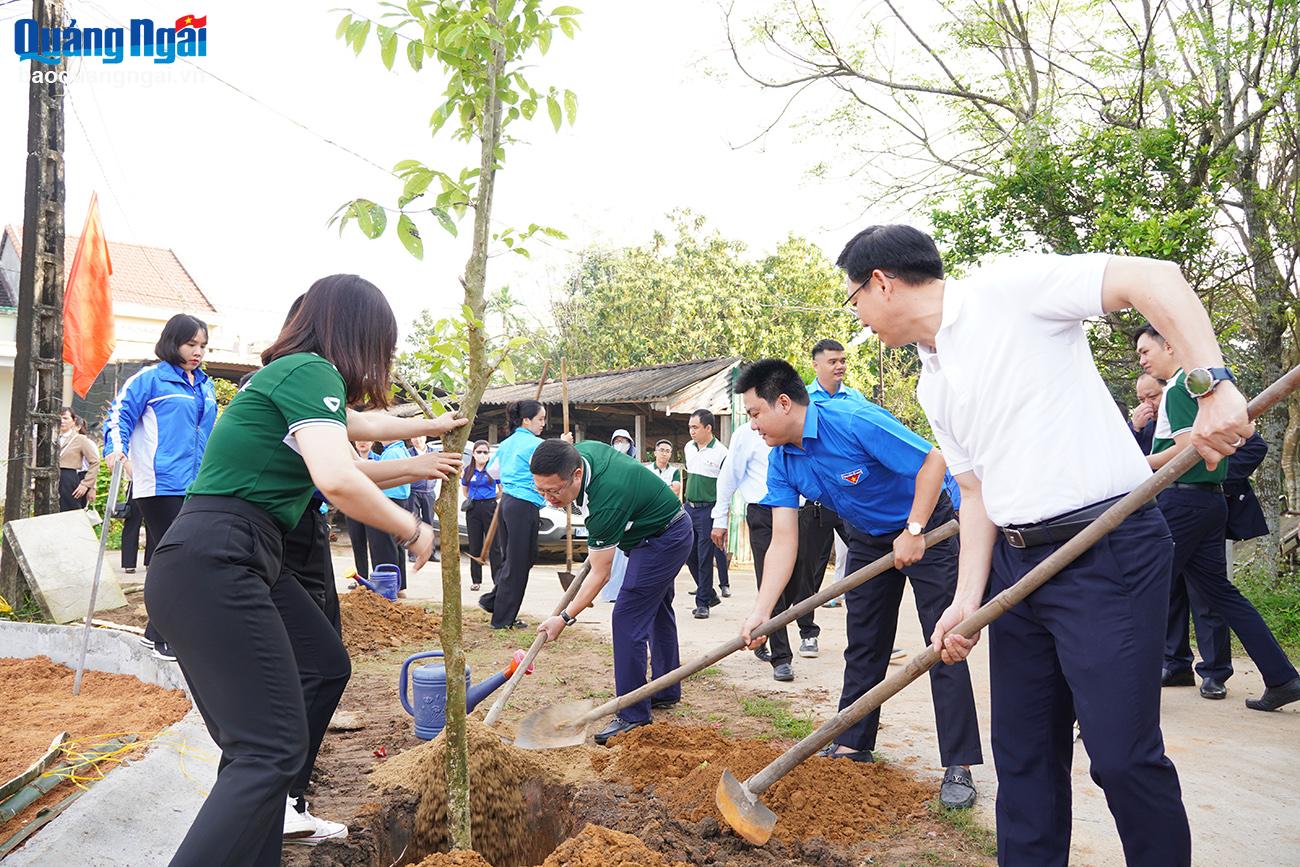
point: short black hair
(175, 334)
(704, 417)
(770, 378)
(907, 253)
(829, 344)
(1150, 331)
(554, 458)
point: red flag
(88, 339)
(190, 21)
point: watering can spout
(480, 691)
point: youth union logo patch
(853, 477)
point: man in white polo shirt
(1001, 350)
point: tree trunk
(1290, 440)
(457, 752)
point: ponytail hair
(519, 410)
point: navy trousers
(1191, 551)
(759, 519)
(643, 615)
(1089, 643)
(703, 556)
(1197, 518)
(872, 624)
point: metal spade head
(566, 578)
(744, 813)
(555, 726)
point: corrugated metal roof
(141, 275)
(634, 385)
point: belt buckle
(1014, 537)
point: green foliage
(225, 391)
(464, 39)
(1278, 601)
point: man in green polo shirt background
(704, 457)
(1197, 516)
(633, 511)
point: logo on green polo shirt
(333, 403)
(853, 477)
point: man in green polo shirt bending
(627, 509)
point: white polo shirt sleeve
(953, 454)
(1065, 289)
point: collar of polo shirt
(581, 499)
(809, 428)
(953, 297)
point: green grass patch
(25, 610)
(711, 671)
(1278, 602)
(784, 723)
(965, 822)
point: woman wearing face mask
(479, 493)
(78, 462)
(160, 422)
(621, 441)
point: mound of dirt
(595, 846)
(454, 858)
(507, 788)
(371, 622)
(834, 799)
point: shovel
(565, 725)
(738, 802)
(499, 705)
(114, 483)
(566, 577)
(482, 559)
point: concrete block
(57, 554)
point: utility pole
(33, 469)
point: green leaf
(445, 219)
(343, 26)
(544, 39)
(357, 33)
(365, 221)
(565, 10)
(552, 232)
(415, 54)
(417, 183)
(571, 106)
(387, 46)
(569, 26)
(528, 108)
(378, 219)
(416, 8)
(409, 235)
(406, 166)
(440, 116)
(553, 107)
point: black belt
(1199, 486)
(1062, 528)
(681, 513)
(695, 505)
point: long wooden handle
(794, 612)
(491, 534)
(506, 691)
(568, 510)
(1007, 599)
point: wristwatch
(567, 618)
(1200, 381)
(914, 528)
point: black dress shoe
(1276, 696)
(1211, 688)
(661, 703)
(783, 672)
(484, 605)
(726, 592)
(617, 726)
(701, 613)
(1180, 678)
(763, 654)
(717, 600)
(957, 791)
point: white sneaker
(305, 829)
(146, 642)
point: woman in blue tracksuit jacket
(160, 422)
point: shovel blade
(553, 727)
(566, 578)
(746, 815)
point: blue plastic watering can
(430, 691)
(384, 580)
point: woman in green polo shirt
(210, 579)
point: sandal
(829, 752)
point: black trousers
(360, 554)
(518, 533)
(759, 519)
(209, 588)
(308, 603)
(478, 518)
(68, 481)
(818, 525)
(385, 550)
(131, 537)
(872, 623)
(158, 514)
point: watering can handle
(401, 680)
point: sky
(238, 178)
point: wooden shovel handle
(1007, 599)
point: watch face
(1198, 382)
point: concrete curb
(138, 814)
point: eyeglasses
(848, 302)
(554, 493)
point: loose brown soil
(36, 703)
(595, 846)
(455, 858)
(371, 622)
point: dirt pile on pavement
(595, 846)
(37, 703)
(371, 622)
(455, 858)
(835, 799)
(508, 797)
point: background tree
(483, 48)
